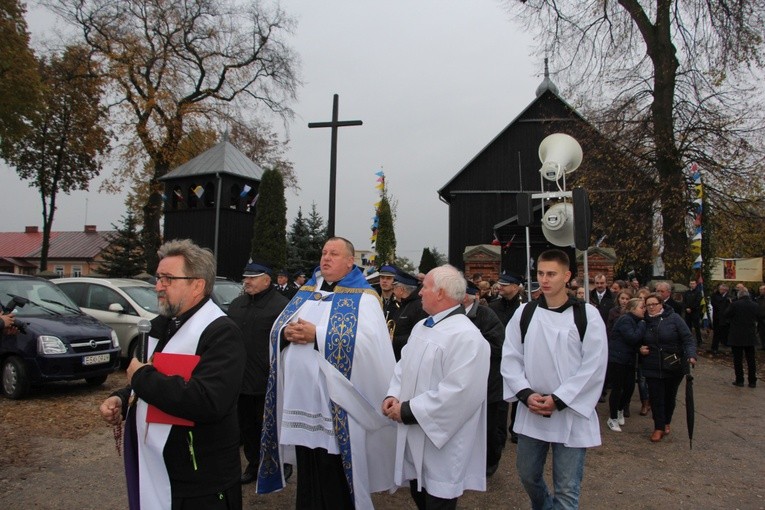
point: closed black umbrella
(690, 407)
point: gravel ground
(55, 453)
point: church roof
(222, 158)
(545, 96)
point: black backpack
(580, 317)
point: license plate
(95, 359)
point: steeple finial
(547, 83)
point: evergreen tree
(405, 264)
(269, 240)
(299, 244)
(439, 257)
(427, 261)
(386, 236)
(317, 236)
(124, 257)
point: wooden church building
(482, 195)
(211, 199)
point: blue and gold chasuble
(338, 351)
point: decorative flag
(376, 219)
(245, 190)
(199, 191)
(698, 237)
(255, 200)
(179, 195)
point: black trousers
(494, 428)
(622, 378)
(230, 499)
(502, 416)
(321, 482)
(663, 395)
(693, 321)
(425, 501)
(739, 351)
(250, 408)
(719, 335)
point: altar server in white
(331, 357)
(557, 373)
(438, 397)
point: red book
(172, 364)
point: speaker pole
(528, 262)
(586, 276)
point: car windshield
(145, 296)
(41, 298)
(226, 291)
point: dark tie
(429, 322)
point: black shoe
(752, 384)
(514, 438)
(287, 471)
(739, 384)
(491, 470)
(247, 477)
(626, 412)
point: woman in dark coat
(626, 335)
(742, 316)
(667, 345)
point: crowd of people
(416, 382)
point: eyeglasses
(166, 279)
(652, 304)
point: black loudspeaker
(525, 212)
(582, 219)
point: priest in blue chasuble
(331, 361)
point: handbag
(670, 361)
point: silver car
(117, 302)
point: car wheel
(15, 379)
(96, 381)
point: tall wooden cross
(333, 159)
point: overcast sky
(434, 81)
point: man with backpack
(554, 362)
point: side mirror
(116, 307)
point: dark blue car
(55, 341)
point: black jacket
(604, 305)
(625, 338)
(743, 315)
(411, 313)
(692, 302)
(505, 308)
(666, 333)
(676, 307)
(720, 303)
(209, 399)
(494, 332)
(255, 315)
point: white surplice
(442, 373)
(554, 359)
(155, 486)
(307, 382)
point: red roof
(68, 245)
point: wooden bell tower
(211, 200)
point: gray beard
(169, 310)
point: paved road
(725, 468)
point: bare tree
(671, 82)
(174, 66)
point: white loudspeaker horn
(558, 224)
(559, 154)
